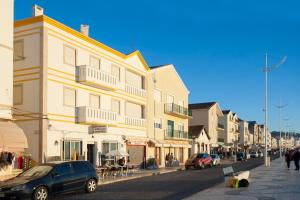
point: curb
(139, 176)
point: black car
(51, 178)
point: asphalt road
(175, 185)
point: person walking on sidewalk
(288, 158)
(296, 157)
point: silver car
(216, 159)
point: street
(176, 185)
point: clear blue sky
(217, 46)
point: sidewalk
(272, 183)
(139, 174)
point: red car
(200, 160)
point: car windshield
(37, 171)
(201, 155)
(213, 156)
(253, 152)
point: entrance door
(170, 128)
(90, 153)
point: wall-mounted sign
(99, 129)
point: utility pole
(266, 70)
(280, 107)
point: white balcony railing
(136, 91)
(96, 115)
(133, 121)
(96, 77)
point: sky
(218, 47)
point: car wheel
(91, 186)
(41, 193)
(211, 164)
(186, 167)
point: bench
(229, 174)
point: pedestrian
(171, 158)
(288, 159)
(296, 157)
(167, 159)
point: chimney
(84, 29)
(37, 11)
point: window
(157, 95)
(80, 167)
(134, 79)
(69, 97)
(115, 106)
(94, 101)
(70, 148)
(18, 94)
(95, 62)
(115, 70)
(69, 55)
(134, 110)
(18, 50)
(106, 148)
(63, 169)
(157, 123)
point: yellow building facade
(169, 102)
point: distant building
(207, 114)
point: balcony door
(170, 128)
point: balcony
(96, 78)
(96, 116)
(134, 121)
(135, 91)
(177, 110)
(177, 135)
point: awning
(159, 143)
(136, 140)
(12, 137)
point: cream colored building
(76, 95)
(274, 143)
(245, 138)
(231, 134)
(168, 125)
(253, 130)
(12, 138)
(208, 114)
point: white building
(12, 137)
(78, 96)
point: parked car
(47, 179)
(216, 159)
(200, 160)
(253, 154)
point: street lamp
(266, 70)
(280, 107)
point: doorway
(90, 153)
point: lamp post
(280, 107)
(266, 70)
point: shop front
(12, 144)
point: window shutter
(115, 70)
(69, 55)
(18, 94)
(69, 97)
